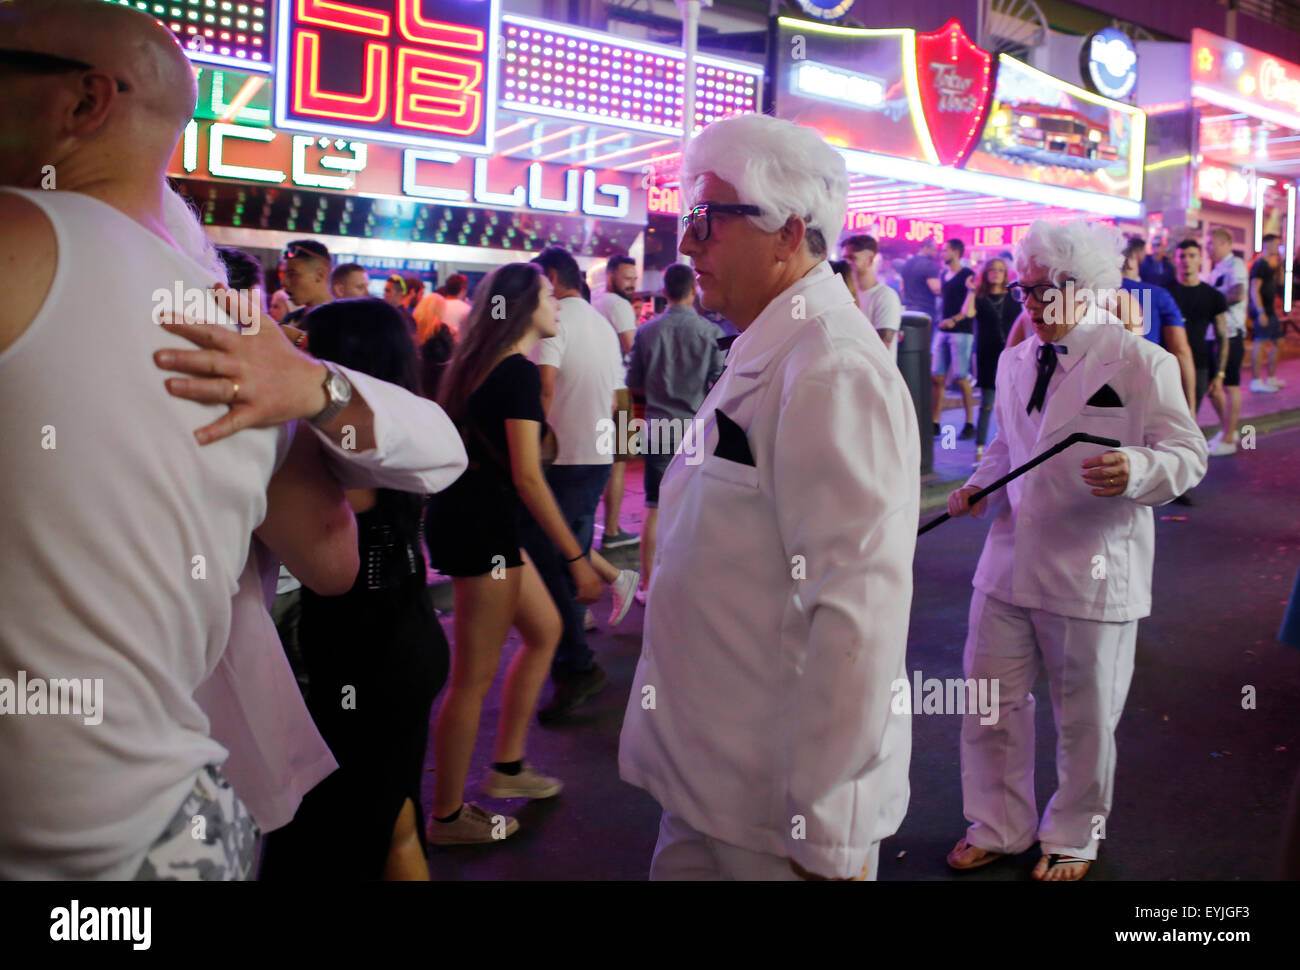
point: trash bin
(914, 362)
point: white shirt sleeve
(618, 312)
(417, 447)
(1175, 455)
(889, 311)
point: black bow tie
(1046, 367)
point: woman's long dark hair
(982, 289)
(367, 335)
(504, 304)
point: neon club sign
(220, 151)
(411, 72)
(1245, 79)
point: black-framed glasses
(1039, 291)
(697, 220)
(40, 63)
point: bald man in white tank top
(125, 539)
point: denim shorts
(1268, 327)
(951, 352)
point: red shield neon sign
(408, 72)
(956, 85)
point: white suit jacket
(1053, 545)
(778, 611)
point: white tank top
(99, 575)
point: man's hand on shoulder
(257, 372)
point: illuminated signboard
(233, 33)
(1046, 130)
(826, 9)
(564, 72)
(955, 77)
(1242, 78)
(1108, 62)
(246, 153)
(407, 72)
(946, 115)
(892, 227)
(1228, 186)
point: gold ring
(234, 391)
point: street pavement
(1201, 785)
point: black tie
(1046, 366)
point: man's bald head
(130, 109)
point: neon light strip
(225, 60)
(629, 151)
(584, 146)
(514, 127)
(913, 82)
(1169, 163)
(646, 161)
(1261, 188)
(1290, 246)
(242, 97)
(1015, 190)
(1224, 100)
(814, 27)
(541, 141)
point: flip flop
(1056, 859)
(983, 860)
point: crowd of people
(363, 440)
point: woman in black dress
(494, 394)
(995, 312)
(375, 656)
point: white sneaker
(1261, 387)
(623, 589)
(1277, 382)
(589, 622)
(1219, 447)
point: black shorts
(655, 466)
(1236, 351)
(470, 528)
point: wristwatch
(338, 392)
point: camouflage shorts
(211, 837)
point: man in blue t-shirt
(1162, 321)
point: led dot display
(233, 33)
(581, 77)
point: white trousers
(682, 853)
(1089, 665)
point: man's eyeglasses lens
(1020, 293)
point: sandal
(983, 860)
(1056, 859)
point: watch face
(339, 387)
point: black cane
(1015, 473)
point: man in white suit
(1066, 570)
(777, 617)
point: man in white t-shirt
(581, 369)
(1229, 277)
(615, 305)
(456, 308)
(878, 302)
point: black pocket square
(732, 443)
(1105, 398)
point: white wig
(1087, 254)
(186, 228)
(783, 168)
